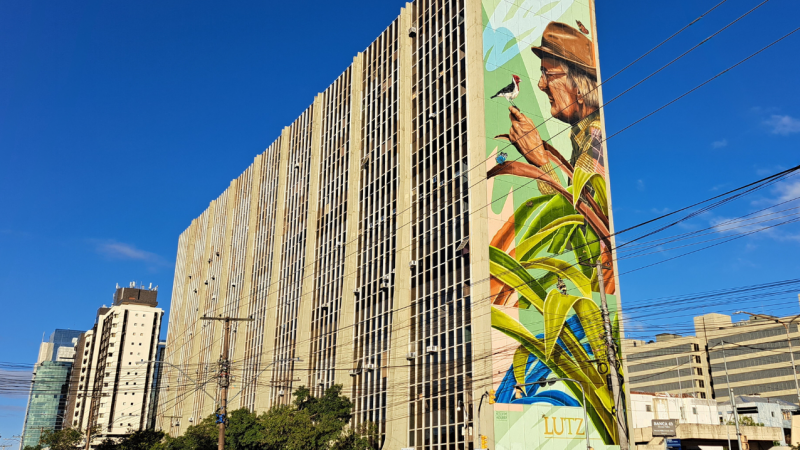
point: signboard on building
(674, 444)
(663, 428)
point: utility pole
(733, 399)
(611, 352)
(224, 375)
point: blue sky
(120, 121)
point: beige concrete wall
(305, 309)
(482, 412)
(397, 410)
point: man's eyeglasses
(549, 75)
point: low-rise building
(760, 411)
(646, 407)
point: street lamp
(583, 393)
(788, 339)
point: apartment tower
(403, 236)
(112, 378)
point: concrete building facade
(673, 364)
(756, 352)
(112, 378)
(360, 243)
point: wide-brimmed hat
(564, 42)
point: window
(648, 408)
(702, 383)
(694, 410)
(773, 413)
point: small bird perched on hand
(509, 92)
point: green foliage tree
(64, 439)
(309, 423)
(746, 421)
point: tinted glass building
(48, 399)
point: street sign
(674, 444)
(663, 427)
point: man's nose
(542, 83)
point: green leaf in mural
(520, 363)
(563, 366)
(555, 208)
(600, 194)
(525, 247)
(523, 213)
(512, 274)
(560, 240)
(564, 270)
(556, 309)
(581, 178)
(581, 250)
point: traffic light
(484, 441)
(491, 397)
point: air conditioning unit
(411, 356)
(432, 349)
(354, 372)
(369, 367)
(280, 392)
(357, 291)
(412, 32)
(413, 264)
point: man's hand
(525, 137)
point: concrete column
(478, 227)
(397, 396)
(305, 309)
(263, 400)
(345, 333)
(246, 294)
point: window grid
(331, 231)
(262, 270)
(441, 371)
(293, 249)
(377, 226)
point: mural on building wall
(548, 224)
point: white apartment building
(112, 378)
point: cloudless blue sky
(120, 121)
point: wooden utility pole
(224, 375)
(611, 352)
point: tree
(64, 439)
(309, 423)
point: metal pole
(680, 384)
(791, 355)
(733, 399)
(728, 434)
(223, 383)
(611, 352)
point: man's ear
(579, 98)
